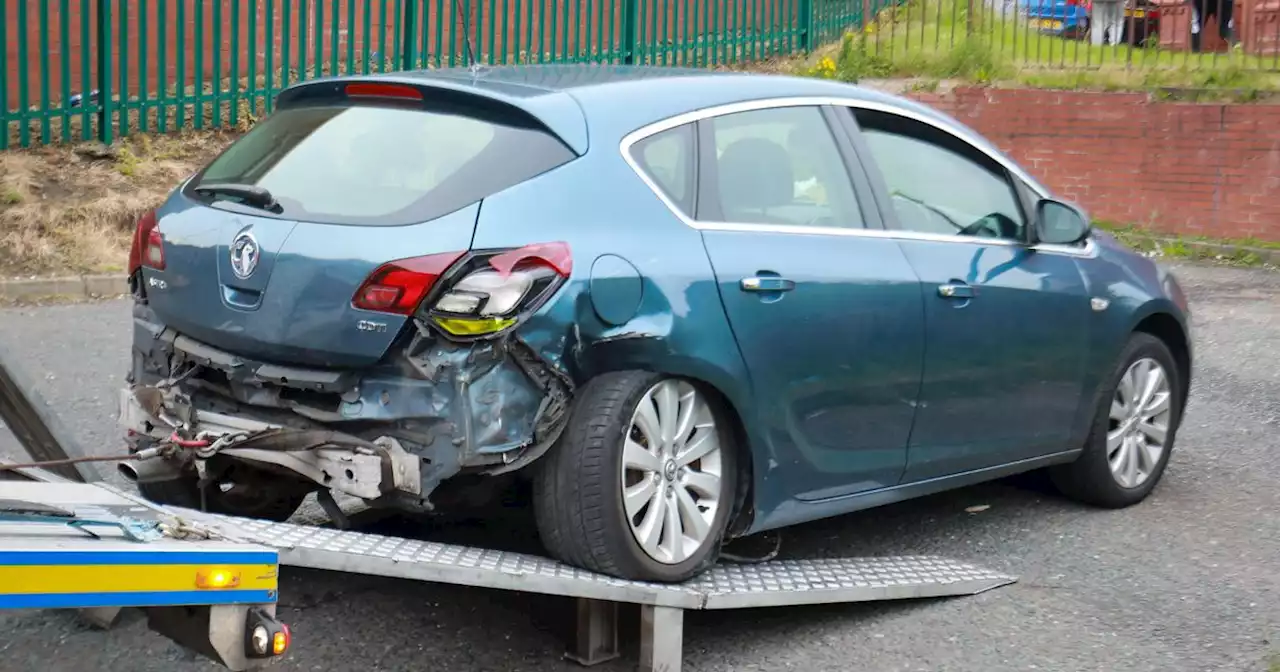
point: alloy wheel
(1139, 423)
(672, 472)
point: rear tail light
(486, 293)
(265, 637)
(490, 297)
(148, 245)
(397, 287)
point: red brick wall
(1185, 168)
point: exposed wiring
(178, 378)
(188, 443)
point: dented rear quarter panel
(597, 323)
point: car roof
(599, 104)
(617, 99)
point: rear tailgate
(269, 252)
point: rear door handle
(960, 291)
(767, 284)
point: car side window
(940, 184)
(779, 166)
(667, 158)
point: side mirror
(1058, 223)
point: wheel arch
(729, 391)
(743, 513)
(1170, 330)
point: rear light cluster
(485, 295)
(265, 637)
(397, 287)
(148, 245)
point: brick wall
(1185, 168)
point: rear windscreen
(380, 166)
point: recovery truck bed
(66, 545)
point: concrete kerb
(71, 287)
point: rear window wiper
(248, 194)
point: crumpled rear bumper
(369, 470)
(485, 407)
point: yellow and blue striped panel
(55, 579)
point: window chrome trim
(1088, 250)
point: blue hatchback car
(678, 307)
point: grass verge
(980, 43)
(1235, 252)
(71, 209)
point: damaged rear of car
(310, 314)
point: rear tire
(1134, 429)
(642, 482)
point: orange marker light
(280, 640)
(214, 578)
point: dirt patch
(72, 209)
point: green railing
(74, 70)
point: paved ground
(1188, 581)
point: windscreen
(379, 165)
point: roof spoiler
(555, 111)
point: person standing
(1220, 10)
(1106, 24)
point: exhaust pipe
(149, 471)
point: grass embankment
(935, 40)
(72, 209)
(1236, 252)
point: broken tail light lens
(397, 287)
(490, 297)
(148, 245)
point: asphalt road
(1190, 580)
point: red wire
(183, 443)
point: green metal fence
(74, 70)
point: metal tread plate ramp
(596, 637)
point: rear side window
(382, 166)
(667, 158)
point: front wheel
(642, 482)
(1133, 430)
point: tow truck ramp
(596, 637)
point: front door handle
(767, 284)
(960, 291)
